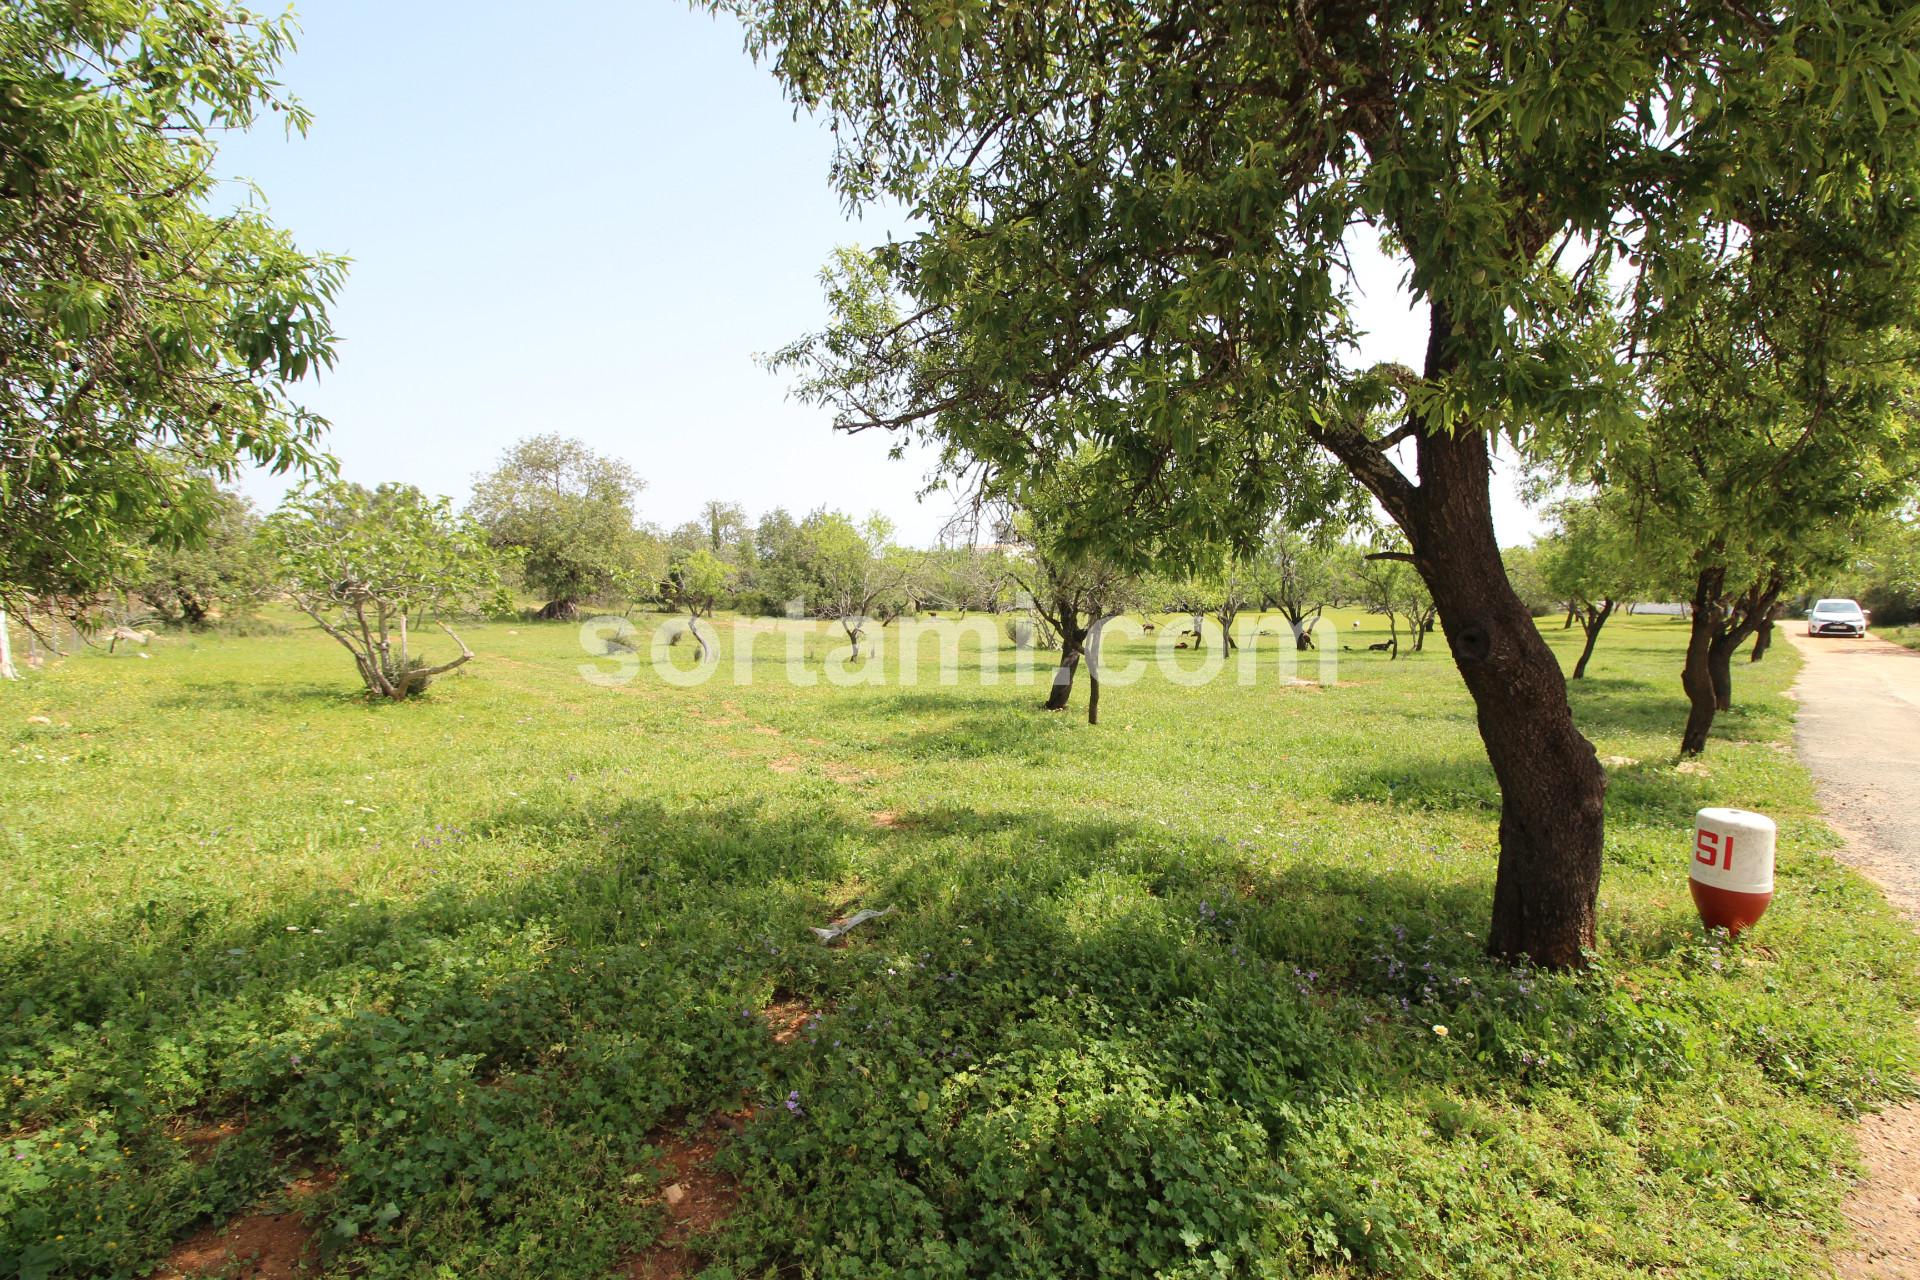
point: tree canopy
(567, 514)
(1138, 222)
(148, 338)
(368, 564)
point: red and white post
(1732, 867)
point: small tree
(1191, 594)
(1381, 583)
(857, 572)
(1416, 602)
(1297, 576)
(368, 564)
(1074, 591)
(1589, 562)
(697, 579)
(566, 513)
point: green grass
(1908, 636)
(1159, 996)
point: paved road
(1859, 731)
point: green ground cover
(1162, 996)
(1908, 636)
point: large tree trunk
(1594, 620)
(1551, 784)
(559, 611)
(1552, 788)
(6, 651)
(1696, 675)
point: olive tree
(367, 565)
(1142, 212)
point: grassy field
(473, 983)
(1908, 636)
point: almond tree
(695, 581)
(150, 334)
(1589, 561)
(1143, 211)
(1783, 419)
(858, 574)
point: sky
(590, 218)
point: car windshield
(1836, 606)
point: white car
(1836, 618)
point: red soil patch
(887, 819)
(767, 729)
(203, 1140)
(258, 1246)
(787, 1017)
(785, 764)
(694, 1197)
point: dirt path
(1858, 730)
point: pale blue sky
(585, 218)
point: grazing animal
(1382, 647)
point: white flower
(1440, 1030)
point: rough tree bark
(1720, 626)
(1592, 618)
(6, 651)
(1552, 787)
(559, 611)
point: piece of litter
(838, 927)
(675, 1193)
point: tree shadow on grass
(259, 699)
(488, 1067)
(1461, 783)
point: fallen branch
(835, 929)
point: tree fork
(1552, 788)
